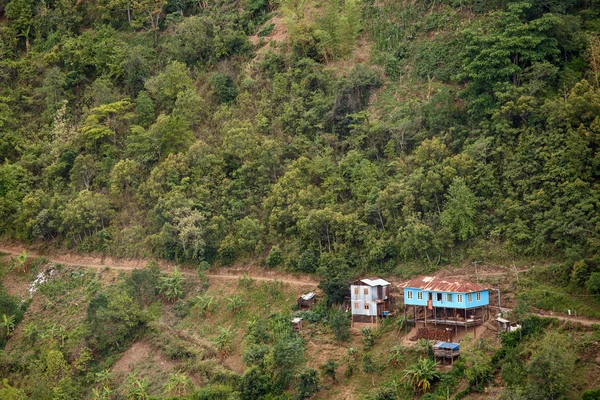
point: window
(449, 297)
(409, 294)
(419, 295)
(459, 298)
(478, 296)
(366, 292)
(366, 306)
(470, 297)
(356, 304)
(439, 297)
(355, 290)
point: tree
(593, 283)
(171, 286)
(550, 369)
(328, 369)
(166, 86)
(224, 87)
(421, 374)
(149, 13)
(125, 178)
(21, 12)
(307, 383)
(192, 41)
(254, 384)
(500, 55)
(460, 210)
(107, 122)
(340, 324)
(144, 108)
(86, 214)
(275, 257)
(8, 392)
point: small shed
(297, 323)
(306, 300)
(505, 325)
(446, 350)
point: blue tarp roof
(448, 346)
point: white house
(370, 298)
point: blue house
(446, 302)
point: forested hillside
(330, 136)
(337, 138)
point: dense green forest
(367, 134)
(334, 138)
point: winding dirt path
(130, 265)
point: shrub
(224, 87)
(328, 369)
(368, 337)
(307, 383)
(340, 324)
(171, 286)
(275, 257)
(593, 283)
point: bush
(592, 394)
(307, 383)
(340, 324)
(275, 257)
(171, 286)
(593, 283)
(224, 87)
(141, 285)
(335, 291)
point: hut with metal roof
(306, 300)
(440, 301)
(370, 299)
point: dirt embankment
(129, 265)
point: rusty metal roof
(435, 284)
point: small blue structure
(446, 302)
(446, 350)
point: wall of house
(443, 301)
(359, 298)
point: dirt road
(129, 265)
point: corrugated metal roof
(308, 296)
(434, 284)
(375, 282)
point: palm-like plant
(178, 384)
(421, 374)
(234, 303)
(136, 388)
(223, 341)
(396, 355)
(19, 262)
(171, 286)
(30, 332)
(204, 305)
(8, 322)
(103, 377)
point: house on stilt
(445, 304)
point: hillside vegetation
(336, 138)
